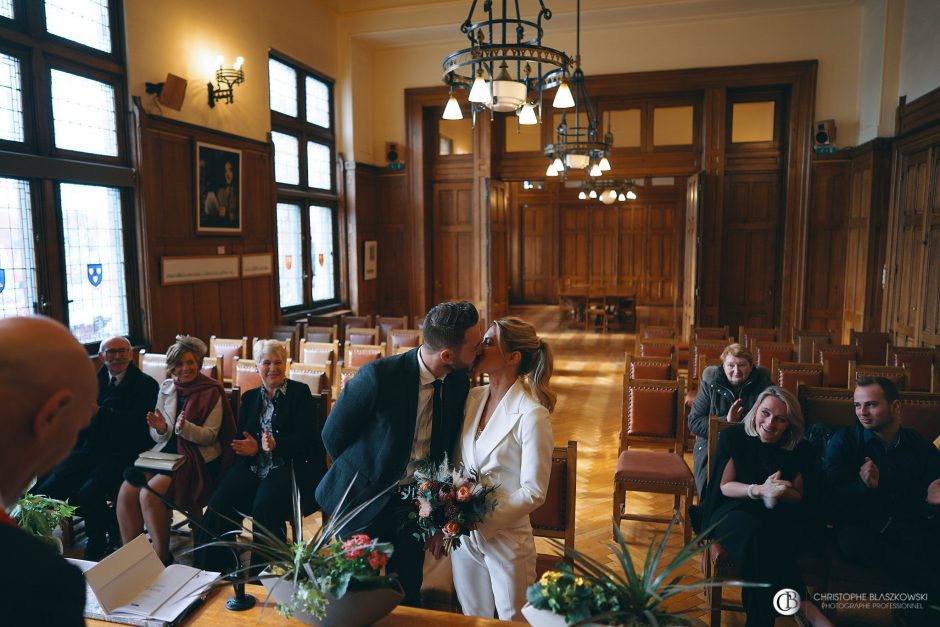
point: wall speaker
(824, 133)
(391, 152)
(169, 93)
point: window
(302, 131)
(75, 197)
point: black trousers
(88, 481)
(762, 547)
(408, 559)
(267, 501)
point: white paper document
(134, 582)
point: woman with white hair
(277, 429)
(193, 418)
(757, 502)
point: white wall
(832, 36)
(184, 37)
(920, 48)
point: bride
(507, 436)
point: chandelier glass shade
(579, 144)
(608, 192)
(506, 68)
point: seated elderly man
(93, 471)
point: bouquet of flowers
(448, 500)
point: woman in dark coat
(756, 498)
(728, 392)
(277, 429)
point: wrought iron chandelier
(578, 146)
(506, 68)
(608, 192)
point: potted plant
(590, 593)
(40, 515)
(327, 580)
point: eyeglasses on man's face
(114, 352)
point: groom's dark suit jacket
(371, 428)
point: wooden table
(592, 307)
(213, 613)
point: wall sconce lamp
(227, 77)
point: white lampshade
(582, 195)
(527, 115)
(508, 96)
(621, 197)
(452, 110)
(480, 91)
(604, 164)
(593, 194)
(558, 165)
(551, 171)
(576, 161)
(609, 196)
(563, 98)
(595, 170)
(631, 195)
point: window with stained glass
(321, 252)
(11, 99)
(18, 294)
(83, 114)
(290, 257)
(83, 21)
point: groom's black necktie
(437, 417)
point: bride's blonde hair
(537, 363)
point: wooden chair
(748, 335)
(896, 374)
(418, 322)
(871, 347)
(210, 368)
(361, 335)
(920, 411)
(555, 517)
(789, 375)
(837, 361)
(807, 340)
(228, 350)
(828, 405)
(345, 374)
(153, 364)
(320, 334)
(656, 348)
(317, 378)
(766, 352)
(651, 416)
(722, 334)
(354, 322)
(285, 343)
(358, 355)
(403, 339)
(657, 368)
(245, 374)
(386, 323)
(286, 332)
(921, 363)
(318, 353)
(657, 331)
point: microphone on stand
(241, 601)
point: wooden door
(857, 233)
(693, 239)
(631, 277)
(536, 256)
(826, 246)
(602, 268)
(750, 250)
(930, 319)
(499, 248)
(909, 243)
(456, 268)
(574, 245)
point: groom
(394, 413)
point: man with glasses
(93, 471)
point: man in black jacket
(386, 421)
(47, 393)
(92, 473)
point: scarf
(192, 484)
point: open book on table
(132, 586)
(158, 460)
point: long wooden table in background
(212, 613)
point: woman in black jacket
(277, 424)
(728, 392)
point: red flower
(446, 493)
(451, 529)
(464, 493)
(377, 560)
(356, 545)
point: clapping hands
(247, 447)
(772, 489)
(267, 441)
(156, 421)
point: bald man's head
(47, 390)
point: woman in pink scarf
(193, 418)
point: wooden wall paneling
(481, 289)
(826, 246)
(168, 228)
(362, 220)
(536, 268)
(663, 267)
(455, 265)
(632, 256)
(749, 274)
(715, 123)
(691, 266)
(574, 244)
(499, 249)
(395, 250)
(930, 320)
(602, 244)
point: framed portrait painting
(219, 189)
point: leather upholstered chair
(921, 364)
(652, 416)
(362, 335)
(871, 347)
(837, 361)
(153, 364)
(318, 353)
(748, 335)
(210, 368)
(766, 352)
(318, 379)
(658, 368)
(789, 374)
(700, 351)
(320, 334)
(228, 350)
(245, 374)
(386, 323)
(656, 347)
(833, 406)
(896, 374)
(807, 340)
(722, 334)
(403, 339)
(920, 411)
(555, 517)
(358, 355)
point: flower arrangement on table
(588, 591)
(449, 500)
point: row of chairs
(328, 329)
